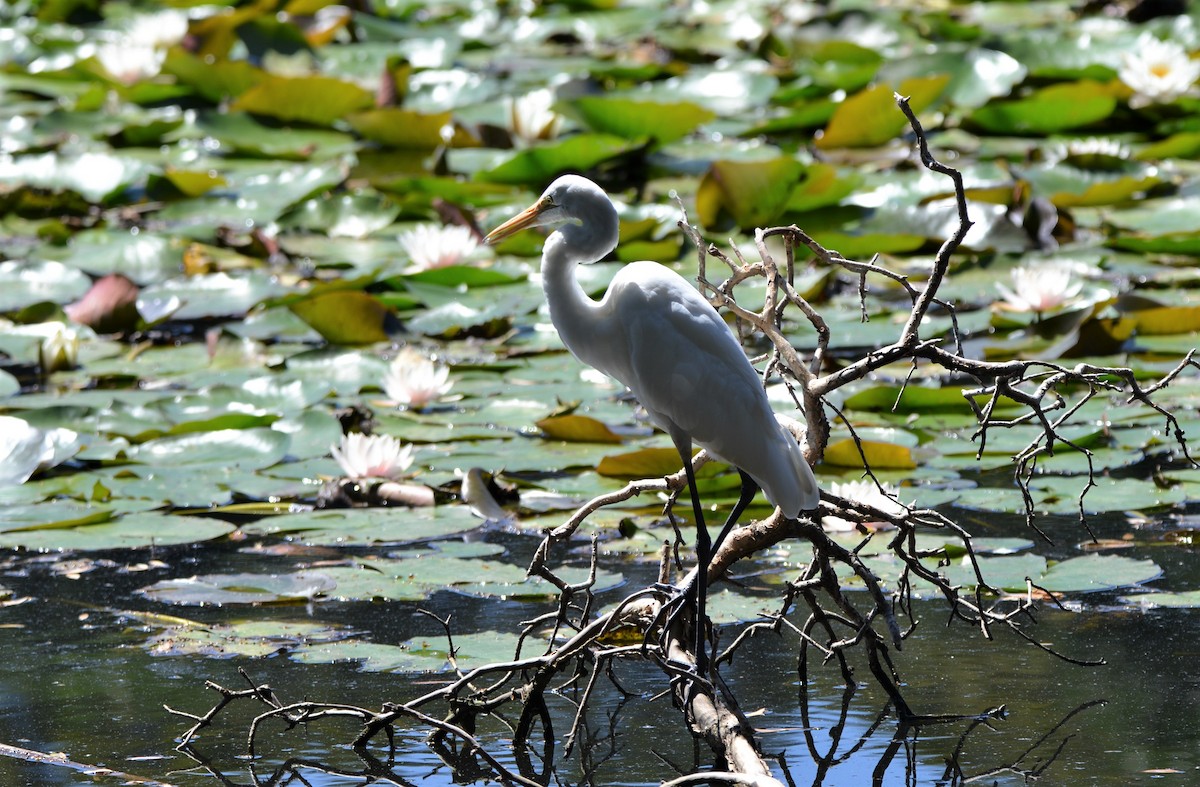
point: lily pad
(104, 531)
(319, 100)
(248, 639)
(1188, 599)
(367, 525)
(1090, 573)
(634, 119)
(225, 589)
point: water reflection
(77, 680)
(837, 744)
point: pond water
(76, 679)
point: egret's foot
(682, 602)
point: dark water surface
(75, 679)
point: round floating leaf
(916, 398)
(1052, 109)
(25, 283)
(109, 306)
(345, 316)
(643, 463)
(248, 449)
(93, 175)
(976, 75)
(216, 79)
(193, 183)
(250, 639)
(540, 164)
(224, 589)
(1090, 573)
(137, 529)
(847, 453)
(1002, 573)
(345, 216)
(726, 91)
(871, 118)
(636, 119)
(318, 100)
(142, 257)
(402, 128)
(730, 607)
(240, 132)
(1167, 320)
(1188, 599)
(420, 654)
(370, 656)
(752, 193)
(577, 428)
(210, 295)
(367, 525)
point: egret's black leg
(749, 490)
(703, 555)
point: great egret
(656, 334)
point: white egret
(655, 333)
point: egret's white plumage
(656, 334)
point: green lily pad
(345, 316)
(225, 589)
(367, 525)
(402, 128)
(634, 119)
(319, 100)
(417, 655)
(539, 165)
(1187, 599)
(248, 639)
(871, 118)
(137, 529)
(1090, 573)
(25, 283)
(752, 193)
(249, 449)
(1052, 109)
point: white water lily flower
(414, 380)
(25, 448)
(59, 349)
(867, 492)
(138, 52)
(372, 456)
(1040, 288)
(531, 118)
(431, 246)
(1158, 72)
(161, 29)
(130, 62)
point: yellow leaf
(870, 117)
(844, 453)
(345, 316)
(1166, 320)
(645, 463)
(578, 429)
(310, 99)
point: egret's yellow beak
(530, 217)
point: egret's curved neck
(577, 318)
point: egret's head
(578, 207)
